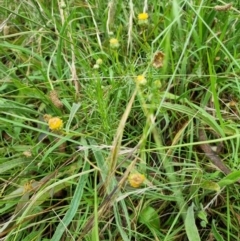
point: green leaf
(190, 226)
(5, 166)
(149, 217)
(73, 112)
(203, 224)
(209, 185)
(100, 159)
(32, 236)
(216, 234)
(230, 179)
(202, 215)
(73, 208)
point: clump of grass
(101, 107)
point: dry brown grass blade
(113, 190)
(177, 138)
(106, 205)
(112, 159)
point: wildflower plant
(187, 58)
(142, 18)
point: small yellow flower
(136, 179)
(141, 80)
(142, 18)
(55, 124)
(114, 43)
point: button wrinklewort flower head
(142, 18)
(141, 80)
(114, 44)
(55, 124)
(136, 179)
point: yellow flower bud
(158, 83)
(141, 80)
(114, 43)
(142, 16)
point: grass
(123, 114)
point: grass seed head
(222, 8)
(55, 100)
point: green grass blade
(73, 207)
(190, 225)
